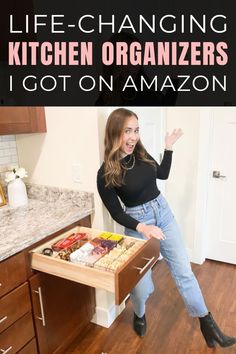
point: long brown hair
(114, 172)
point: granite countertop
(49, 210)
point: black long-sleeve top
(139, 187)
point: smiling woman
(130, 173)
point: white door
(221, 210)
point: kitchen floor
(170, 329)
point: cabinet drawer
(30, 348)
(16, 336)
(119, 282)
(10, 311)
(12, 273)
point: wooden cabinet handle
(42, 318)
(5, 351)
(141, 270)
(3, 319)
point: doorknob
(216, 174)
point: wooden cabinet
(55, 309)
(17, 120)
(16, 323)
(9, 306)
(62, 309)
(12, 273)
(30, 348)
(18, 335)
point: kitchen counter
(49, 210)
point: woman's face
(130, 136)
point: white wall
(181, 187)
(71, 138)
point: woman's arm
(163, 169)
(112, 203)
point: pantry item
(68, 241)
(65, 253)
(47, 251)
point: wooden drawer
(30, 348)
(10, 311)
(12, 273)
(119, 282)
(18, 335)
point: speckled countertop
(49, 210)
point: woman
(130, 173)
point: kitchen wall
(67, 155)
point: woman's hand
(171, 139)
(150, 231)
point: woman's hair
(114, 172)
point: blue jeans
(157, 212)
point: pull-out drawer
(120, 281)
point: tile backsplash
(8, 154)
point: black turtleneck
(139, 187)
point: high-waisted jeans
(157, 212)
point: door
(221, 228)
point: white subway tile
(13, 144)
(6, 152)
(14, 159)
(12, 151)
(8, 137)
(4, 160)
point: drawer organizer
(118, 269)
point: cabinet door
(16, 120)
(61, 310)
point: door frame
(205, 152)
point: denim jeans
(157, 212)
